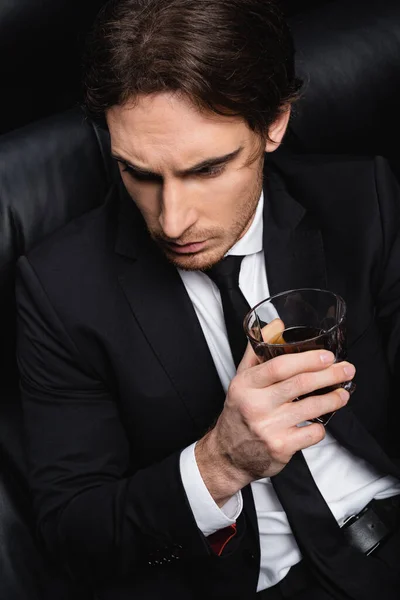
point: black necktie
(225, 275)
(340, 569)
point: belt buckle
(353, 518)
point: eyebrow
(204, 164)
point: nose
(177, 212)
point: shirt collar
(252, 241)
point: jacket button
(249, 556)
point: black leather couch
(40, 47)
(50, 172)
(348, 57)
(55, 169)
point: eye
(141, 176)
(211, 171)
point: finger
(299, 438)
(307, 383)
(312, 407)
(269, 333)
(286, 366)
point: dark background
(348, 53)
(41, 44)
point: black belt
(367, 530)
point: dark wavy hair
(232, 57)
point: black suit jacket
(117, 377)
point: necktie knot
(225, 274)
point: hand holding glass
(300, 320)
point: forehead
(167, 128)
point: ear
(278, 130)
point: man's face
(195, 177)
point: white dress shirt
(346, 482)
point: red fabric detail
(220, 538)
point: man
(157, 470)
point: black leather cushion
(348, 54)
(40, 47)
(50, 172)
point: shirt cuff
(209, 517)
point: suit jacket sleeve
(91, 511)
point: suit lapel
(162, 307)
(351, 433)
(294, 254)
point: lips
(190, 248)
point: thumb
(249, 359)
(272, 334)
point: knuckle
(333, 401)
(321, 404)
(276, 447)
(294, 387)
(285, 389)
(299, 415)
(302, 383)
(259, 378)
(257, 430)
(315, 433)
(250, 413)
(265, 374)
(312, 407)
(235, 387)
(316, 404)
(274, 368)
(252, 377)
